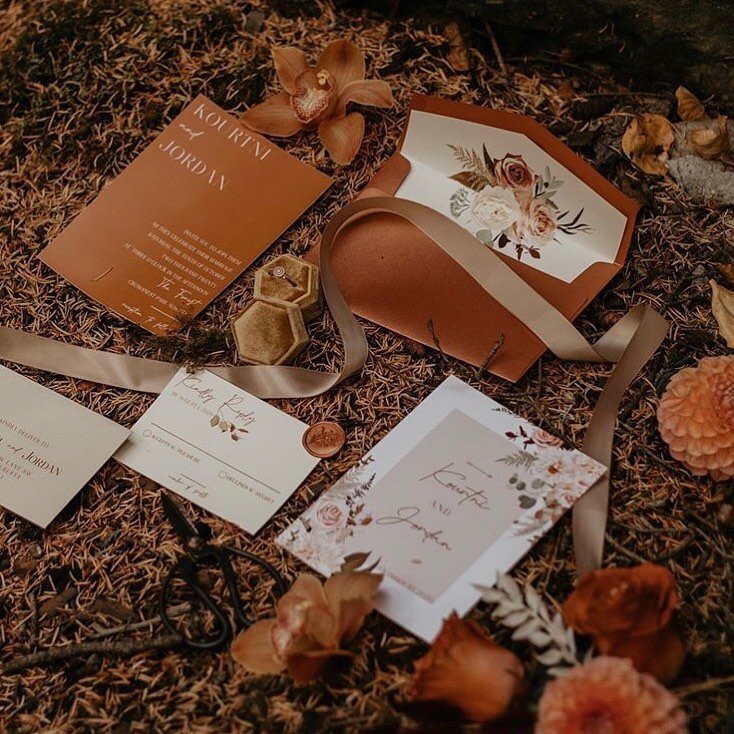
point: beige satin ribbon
(629, 344)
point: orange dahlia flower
(608, 695)
(696, 417)
(318, 98)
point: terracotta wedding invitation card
(184, 219)
(50, 447)
(458, 492)
(221, 448)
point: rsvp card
(184, 219)
(50, 447)
(220, 447)
(459, 491)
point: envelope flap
(389, 177)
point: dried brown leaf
(51, 606)
(726, 515)
(646, 142)
(112, 608)
(727, 270)
(712, 143)
(458, 57)
(722, 305)
(689, 108)
(565, 90)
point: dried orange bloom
(312, 621)
(696, 417)
(318, 98)
(466, 669)
(628, 613)
(608, 695)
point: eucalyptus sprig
(528, 616)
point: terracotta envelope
(559, 225)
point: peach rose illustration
(539, 224)
(545, 440)
(628, 613)
(331, 514)
(466, 669)
(512, 172)
(536, 227)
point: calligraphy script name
(223, 124)
(456, 482)
(407, 516)
(226, 408)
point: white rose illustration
(495, 208)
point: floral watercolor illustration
(236, 426)
(548, 479)
(511, 204)
(318, 536)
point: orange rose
(465, 669)
(628, 613)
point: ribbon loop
(629, 344)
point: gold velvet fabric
(269, 331)
(288, 278)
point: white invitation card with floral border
(458, 492)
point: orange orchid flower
(312, 621)
(318, 98)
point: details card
(220, 447)
(50, 447)
(459, 491)
(184, 219)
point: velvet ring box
(288, 278)
(269, 331)
(474, 163)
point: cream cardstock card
(220, 447)
(50, 447)
(511, 194)
(459, 491)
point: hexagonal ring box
(289, 279)
(271, 329)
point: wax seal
(324, 439)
